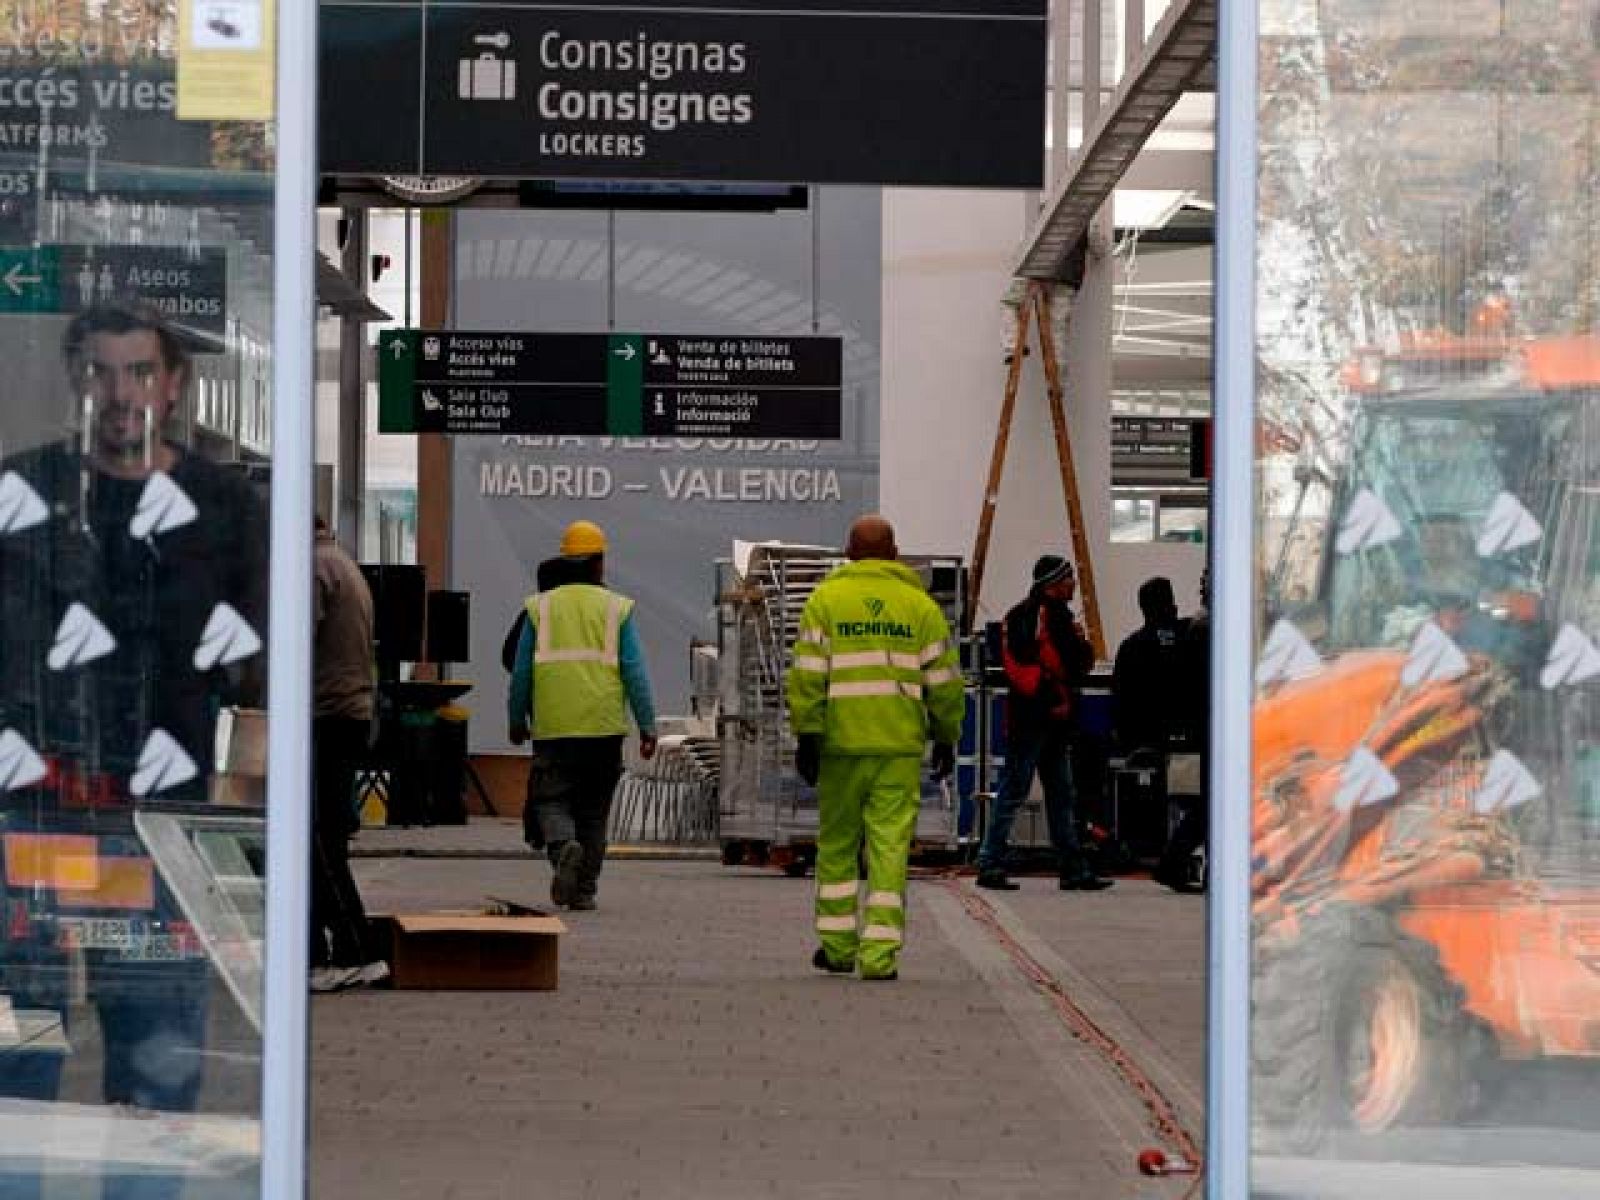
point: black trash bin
(448, 774)
(410, 759)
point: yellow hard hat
(583, 539)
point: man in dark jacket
(1149, 711)
(1046, 659)
(1177, 867)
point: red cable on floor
(1083, 1027)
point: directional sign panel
(933, 92)
(672, 385)
(187, 286)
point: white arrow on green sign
(29, 279)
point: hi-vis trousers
(875, 799)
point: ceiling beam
(1176, 54)
(1156, 371)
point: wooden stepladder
(1036, 304)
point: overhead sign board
(671, 385)
(96, 127)
(1158, 451)
(188, 286)
(935, 92)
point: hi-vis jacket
(586, 666)
(874, 672)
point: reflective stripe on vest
(577, 670)
(608, 652)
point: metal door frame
(294, 250)
(1233, 523)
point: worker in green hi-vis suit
(874, 679)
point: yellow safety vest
(577, 665)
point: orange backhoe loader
(1426, 839)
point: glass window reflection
(133, 614)
(1426, 869)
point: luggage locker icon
(488, 76)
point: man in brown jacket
(341, 949)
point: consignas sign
(906, 92)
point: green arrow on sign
(29, 279)
(624, 385)
(397, 373)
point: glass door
(1413, 601)
(142, 306)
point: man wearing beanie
(1046, 658)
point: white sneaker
(334, 979)
(373, 973)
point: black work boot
(568, 862)
(1077, 877)
(995, 880)
(822, 962)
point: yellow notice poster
(225, 60)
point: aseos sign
(938, 92)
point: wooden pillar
(346, 517)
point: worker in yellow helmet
(578, 669)
(874, 678)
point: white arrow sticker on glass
(1506, 784)
(20, 506)
(163, 764)
(1367, 525)
(228, 639)
(1434, 658)
(1508, 527)
(1364, 780)
(1574, 658)
(80, 639)
(20, 764)
(163, 507)
(1288, 654)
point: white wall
(946, 262)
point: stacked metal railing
(672, 797)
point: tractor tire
(1357, 1027)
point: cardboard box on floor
(470, 951)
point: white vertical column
(1232, 615)
(294, 255)
(1091, 63)
(1132, 32)
(1060, 90)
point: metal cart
(767, 813)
